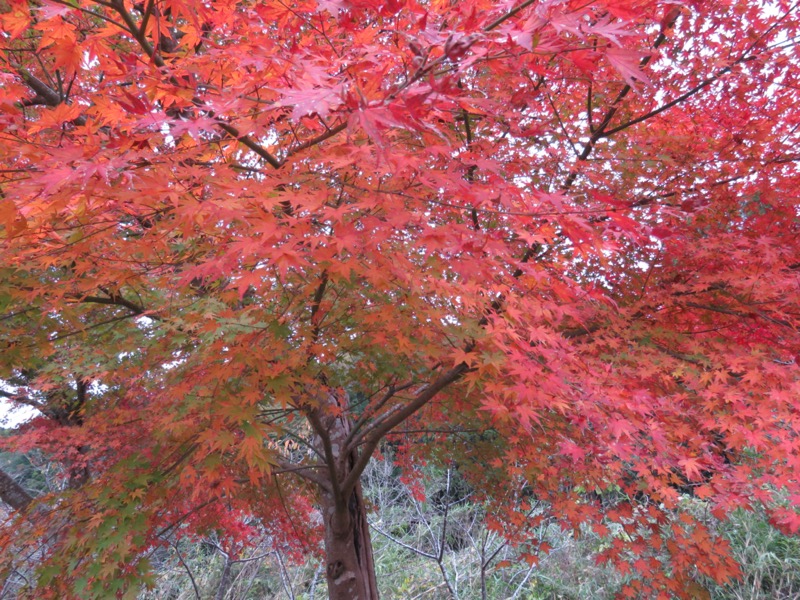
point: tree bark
(349, 565)
(225, 578)
(13, 493)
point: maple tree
(243, 243)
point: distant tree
(242, 244)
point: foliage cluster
(245, 244)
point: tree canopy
(244, 244)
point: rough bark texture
(349, 566)
(12, 493)
(358, 511)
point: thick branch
(369, 411)
(44, 93)
(316, 302)
(250, 143)
(685, 96)
(739, 314)
(22, 399)
(372, 435)
(13, 493)
(330, 459)
(115, 300)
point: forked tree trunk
(349, 565)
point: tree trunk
(225, 578)
(349, 565)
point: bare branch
(402, 544)
(185, 566)
(306, 472)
